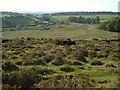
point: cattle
(65, 42)
(5, 40)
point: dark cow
(5, 40)
(65, 42)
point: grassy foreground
(57, 63)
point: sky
(58, 5)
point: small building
(47, 23)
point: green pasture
(73, 31)
(102, 17)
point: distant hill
(10, 19)
(82, 13)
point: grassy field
(102, 17)
(17, 21)
(5, 15)
(73, 31)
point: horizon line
(54, 11)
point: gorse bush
(34, 61)
(76, 63)
(19, 63)
(59, 61)
(43, 70)
(66, 83)
(21, 79)
(91, 54)
(6, 87)
(77, 56)
(67, 69)
(103, 81)
(48, 58)
(59, 77)
(110, 65)
(78, 53)
(97, 63)
(4, 56)
(9, 66)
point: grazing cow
(5, 40)
(66, 42)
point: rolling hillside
(10, 19)
(16, 19)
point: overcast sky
(58, 5)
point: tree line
(111, 25)
(82, 13)
(82, 19)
